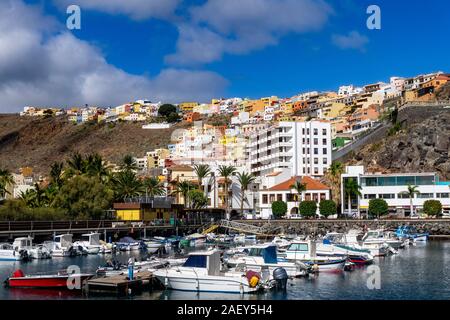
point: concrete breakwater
(435, 227)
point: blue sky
(178, 50)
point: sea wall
(321, 227)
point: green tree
(6, 179)
(183, 188)
(327, 208)
(432, 207)
(127, 185)
(173, 117)
(76, 165)
(96, 167)
(299, 187)
(84, 197)
(197, 199)
(378, 207)
(308, 208)
(333, 177)
(226, 172)
(128, 163)
(201, 171)
(351, 188)
(56, 174)
(279, 209)
(411, 191)
(244, 179)
(166, 109)
(153, 187)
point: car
(295, 216)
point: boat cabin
(301, 250)
(92, 239)
(209, 260)
(267, 251)
(64, 240)
(23, 243)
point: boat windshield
(302, 247)
(195, 261)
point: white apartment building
(391, 187)
(302, 148)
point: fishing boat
(331, 245)
(34, 252)
(410, 233)
(202, 273)
(89, 243)
(305, 251)
(129, 244)
(264, 256)
(153, 245)
(49, 281)
(381, 236)
(353, 239)
(193, 240)
(9, 253)
(61, 246)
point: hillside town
(244, 155)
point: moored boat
(49, 281)
(9, 253)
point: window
(195, 261)
(443, 195)
(279, 197)
(387, 196)
(325, 161)
(316, 141)
(316, 132)
(316, 170)
(271, 198)
(403, 195)
(316, 160)
(324, 141)
(316, 151)
(325, 151)
(370, 196)
(425, 196)
(303, 247)
(264, 199)
(324, 132)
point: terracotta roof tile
(311, 184)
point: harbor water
(419, 272)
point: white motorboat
(34, 252)
(193, 240)
(376, 249)
(331, 245)
(264, 256)
(381, 236)
(281, 242)
(89, 243)
(61, 246)
(305, 251)
(129, 244)
(153, 245)
(9, 253)
(202, 273)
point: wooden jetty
(119, 284)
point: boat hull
(43, 281)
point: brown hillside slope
(423, 146)
(39, 142)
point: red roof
(311, 184)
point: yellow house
(142, 212)
(187, 106)
(335, 110)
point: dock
(120, 284)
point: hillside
(38, 142)
(422, 146)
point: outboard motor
(281, 277)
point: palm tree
(127, 185)
(412, 190)
(153, 187)
(6, 179)
(128, 163)
(183, 188)
(29, 198)
(351, 188)
(299, 187)
(77, 165)
(95, 167)
(244, 180)
(333, 174)
(202, 171)
(40, 196)
(56, 174)
(226, 172)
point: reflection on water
(418, 272)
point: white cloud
(39, 67)
(241, 26)
(136, 9)
(354, 40)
